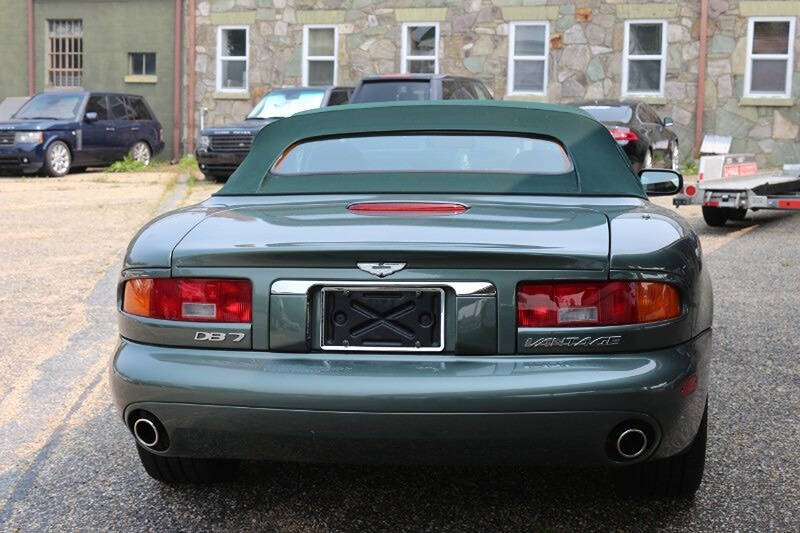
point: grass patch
(126, 164)
(690, 168)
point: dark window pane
(234, 43)
(233, 74)
(321, 42)
(771, 37)
(529, 40)
(427, 66)
(338, 98)
(139, 108)
(529, 75)
(644, 39)
(120, 110)
(421, 40)
(320, 73)
(448, 89)
(97, 104)
(768, 76)
(644, 76)
(390, 91)
(150, 64)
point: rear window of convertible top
(424, 152)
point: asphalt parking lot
(67, 462)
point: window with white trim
(232, 62)
(320, 43)
(420, 48)
(528, 48)
(644, 63)
(770, 57)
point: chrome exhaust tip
(631, 443)
(146, 432)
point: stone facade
(585, 59)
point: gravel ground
(66, 462)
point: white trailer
(730, 185)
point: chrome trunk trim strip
(461, 288)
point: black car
(221, 149)
(399, 87)
(638, 129)
(55, 132)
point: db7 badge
(216, 336)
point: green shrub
(690, 168)
(126, 164)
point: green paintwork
(111, 29)
(13, 49)
(599, 167)
(494, 385)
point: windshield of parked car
(51, 106)
(425, 153)
(609, 113)
(286, 102)
(392, 91)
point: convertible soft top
(600, 168)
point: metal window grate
(65, 53)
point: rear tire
(141, 153)
(57, 160)
(715, 216)
(180, 470)
(678, 476)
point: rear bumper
(432, 409)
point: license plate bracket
(388, 318)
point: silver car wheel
(140, 152)
(59, 158)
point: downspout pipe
(191, 18)
(31, 52)
(176, 82)
(701, 76)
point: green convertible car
(433, 282)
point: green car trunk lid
(325, 234)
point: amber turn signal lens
(137, 296)
(656, 301)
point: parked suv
(221, 149)
(55, 132)
(398, 87)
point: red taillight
(690, 190)
(419, 208)
(623, 134)
(192, 299)
(590, 303)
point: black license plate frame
(382, 319)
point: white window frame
(404, 57)
(221, 58)
(334, 57)
(512, 57)
(626, 57)
(789, 57)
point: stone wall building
(547, 50)
(556, 51)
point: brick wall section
(585, 61)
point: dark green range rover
(435, 282)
